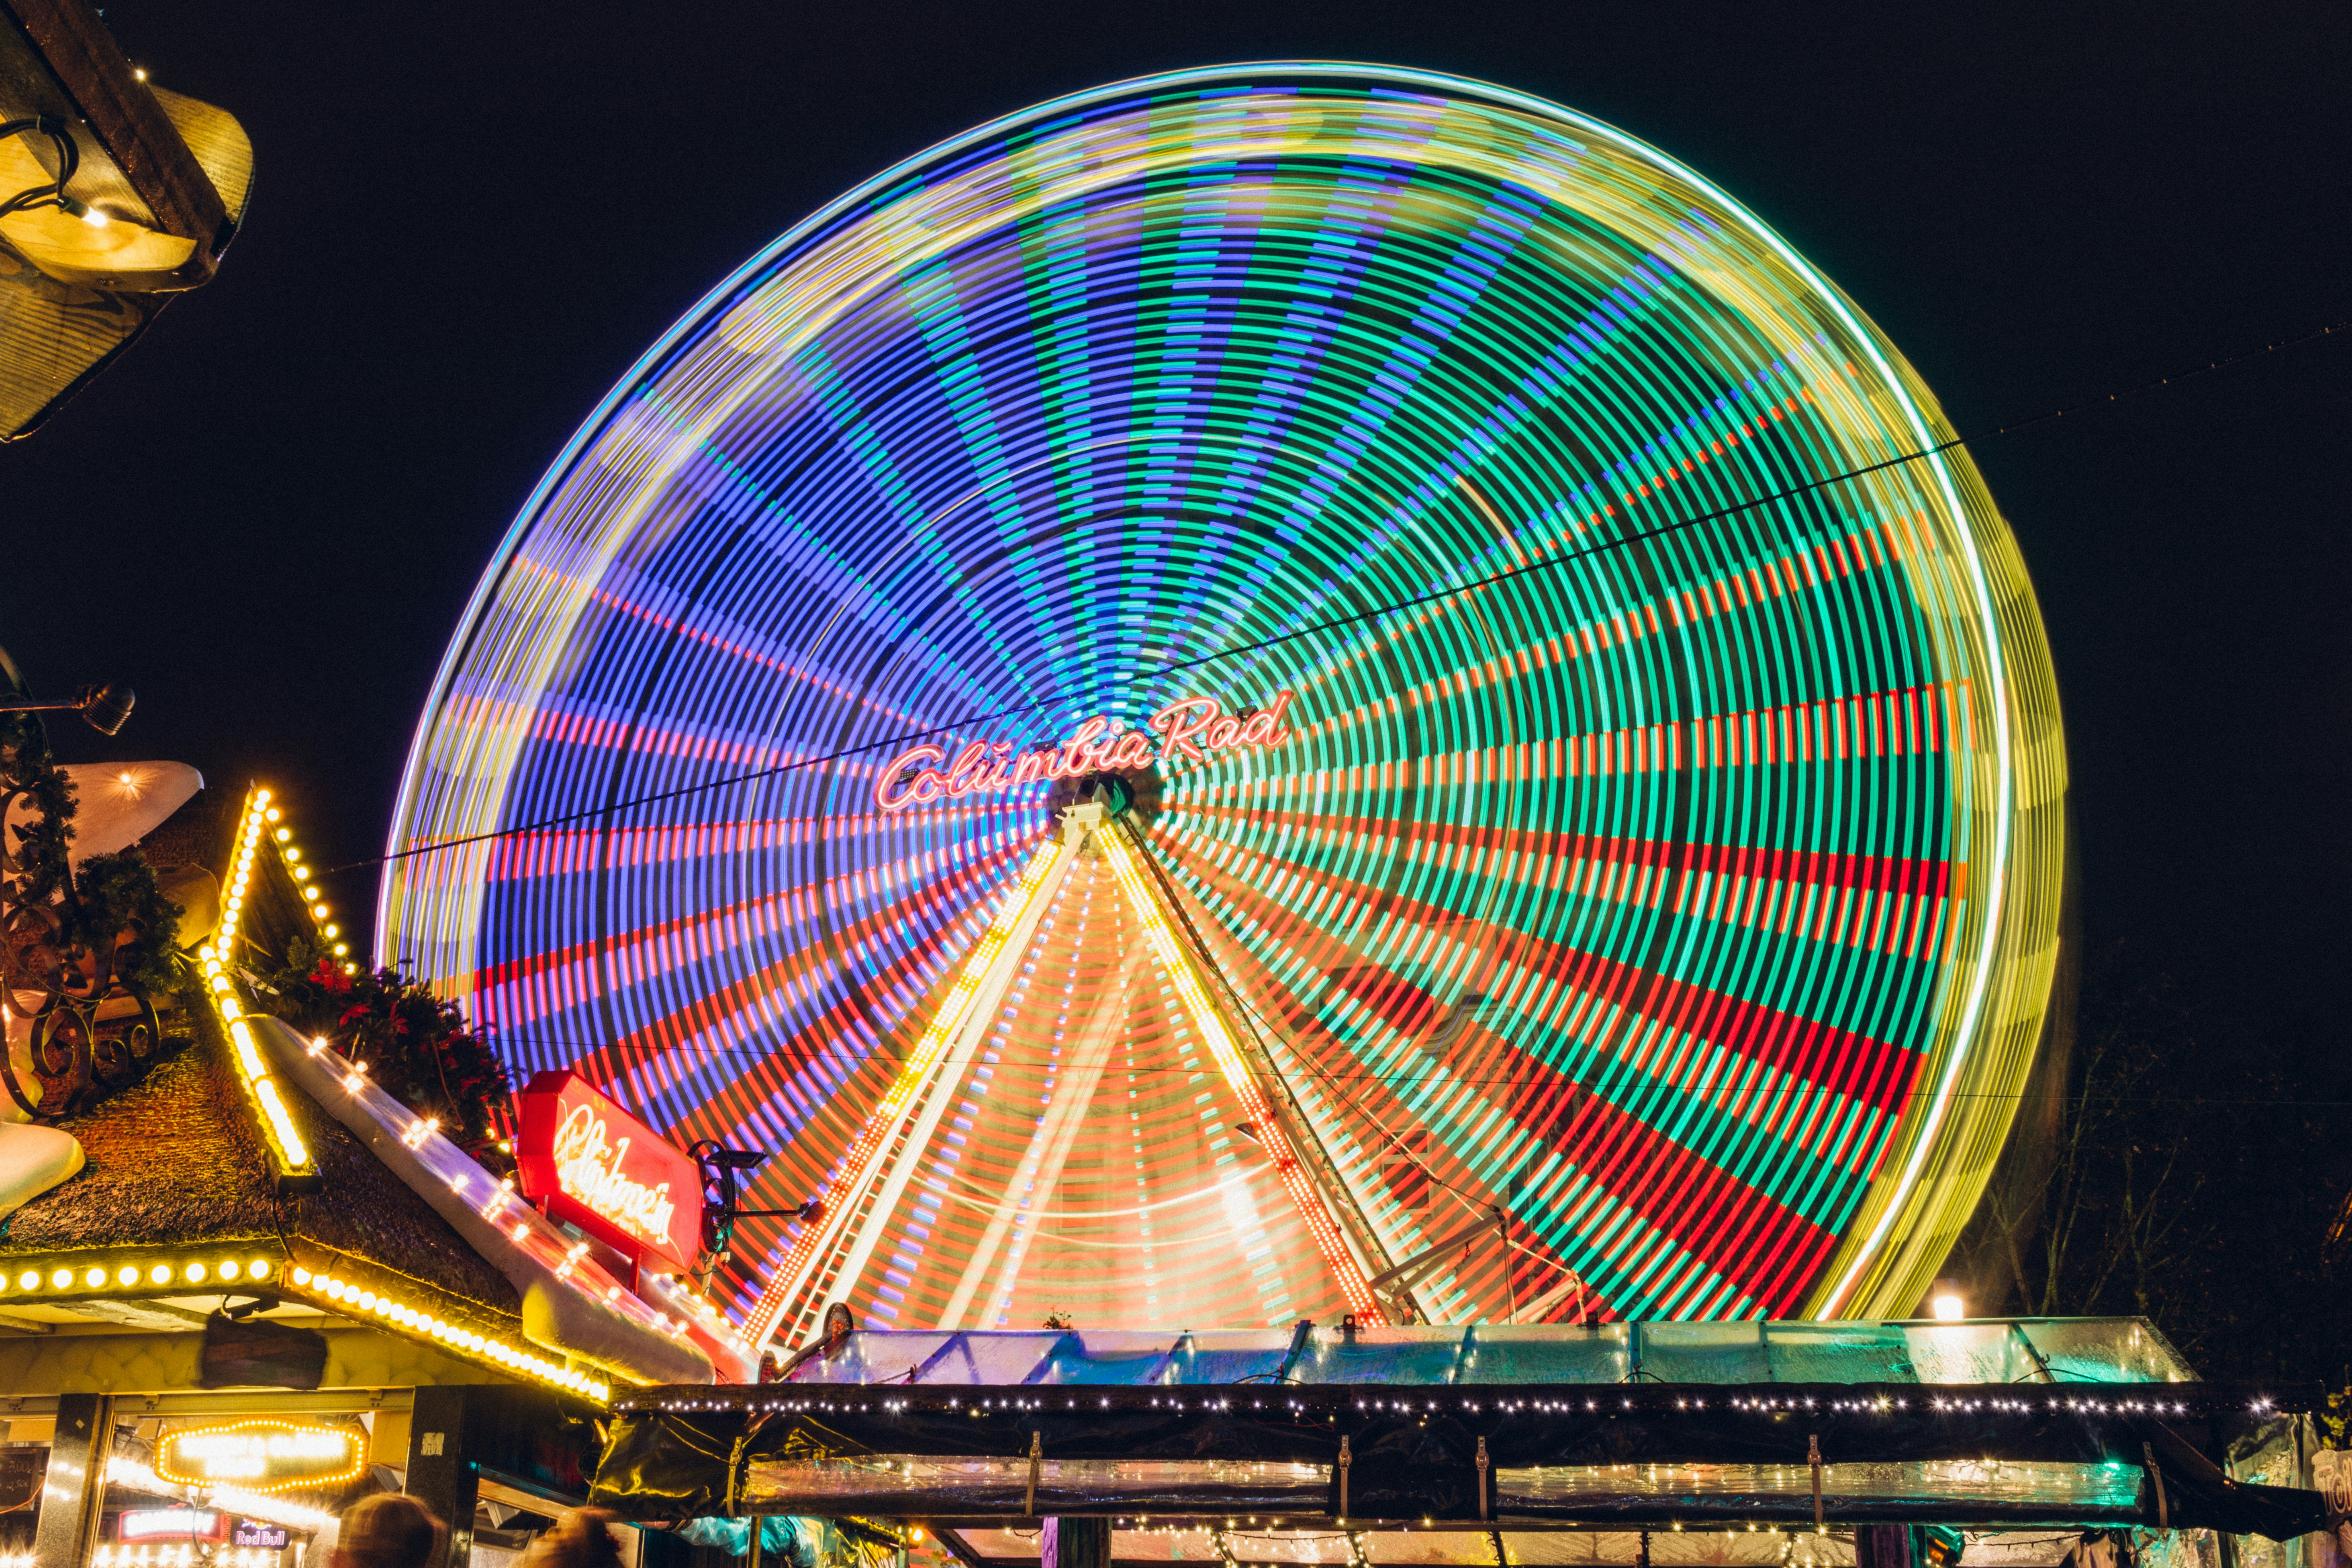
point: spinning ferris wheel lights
(1689, 892)
(838, 1219)
(1208, 1018)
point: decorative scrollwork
(86, 1031)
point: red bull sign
(596, 1166)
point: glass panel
(871, 1357)
(1001, 1542)
(1702, 1353)
(2106, 1349)
(1956, 1490)
(1229, 1355)
(1971, 1352)
(1558, 1548)
(1542, 1352)
(1432, 1546)
(1156, 1545)
(1108, 1359)
(976, 1357)
(1419, 1356)
(2019, 1548)
(1837, 1353)
(1749, 1548)
(918, 1485)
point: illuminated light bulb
(61, 1279)
(302, 874)
(257, 1270)
(332, 930)
(94, 1278)
(127, 1275)
(283, 834)
(30, 1280)
(195, 1273)
(307, 892)
(303, 1276)
(341, 948)
(230, 1270)
(1949, 1308)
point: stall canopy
(1774, 1427)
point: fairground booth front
(242, 1285)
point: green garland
(108, 895)
(418, 1047)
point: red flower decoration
(332, 978)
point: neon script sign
(607, 1173)
(262, 1455)
(1191, 731)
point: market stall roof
(251, 1163)
(2002, 1423)
(178, 1180)
(1985, 1351)
(157, 181)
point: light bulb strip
(128, 1472)
(260, 829)
(354, 1300)
(930, 1051)
(297, 1169)
(121, 1273)
(1211, 1022)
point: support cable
(1478, 585)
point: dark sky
(469, 220)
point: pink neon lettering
(965, 776)
(1178, 739)
(1265, 729)
(1190, 728)
(887, 794)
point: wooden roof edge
(131, 124)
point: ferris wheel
(1267, 692)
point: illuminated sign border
(167, 1454)
(540, 1163)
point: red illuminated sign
(1191, 731)
(607, 1173)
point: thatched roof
(177, 1160)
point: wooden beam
(127, 122)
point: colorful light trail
(1694, 900)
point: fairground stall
(241, 1283)
(2024, 1443)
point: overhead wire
(1394, 607)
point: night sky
(469, 220)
